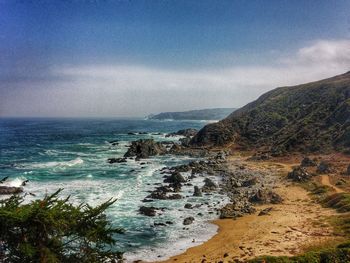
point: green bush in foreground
(53, 230)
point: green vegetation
(306, 118)
(53, 230)
(340, 254)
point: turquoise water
(72, 154)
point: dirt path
(325, 181)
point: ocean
(72, 154)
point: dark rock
(114, 142)
(348, 170)
(117, 160)
(159, 224)
(188, 220)
(188, 206)
(324, 168)
(148, 211)
(299, 174)
(209, 185)
(186, 132)
(265, 211)
(145, 148)
(266, 197)
(174, 197)
(197, 191)
(185, 141)
(250, 182)
(9, 190)
(307, 162)
(131, 133)
(236, 209)
(175, 177)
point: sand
(289, 229)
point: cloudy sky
(132, 58)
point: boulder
(250, 182)
(324, 167)
(236, 209)
(144, 148)
(197, 191)
(265, 211)
(307, 162)
(188, 206)
(9, 190)
(209, 185)
(266, 197)
(299, 174)
(188, 220)
(117, 160)
(148, 211)
(174, 197)
(175, 178)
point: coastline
(289, 229)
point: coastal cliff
(310, 117)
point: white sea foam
(70, 163)
(15, 182)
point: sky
(131, 58)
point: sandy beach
(288, 229)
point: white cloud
(126, 90)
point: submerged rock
(144, 148)
(148, 211)
(197, 191)
(117, 160)
(188, 206)
(9, 190)
(188, 220)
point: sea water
(72, 154)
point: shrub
(53, 230)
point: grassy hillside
(308, 118)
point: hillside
(308, 118)
(204, 114)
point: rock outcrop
(185, 132)
(9, 190)
(144, 148)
